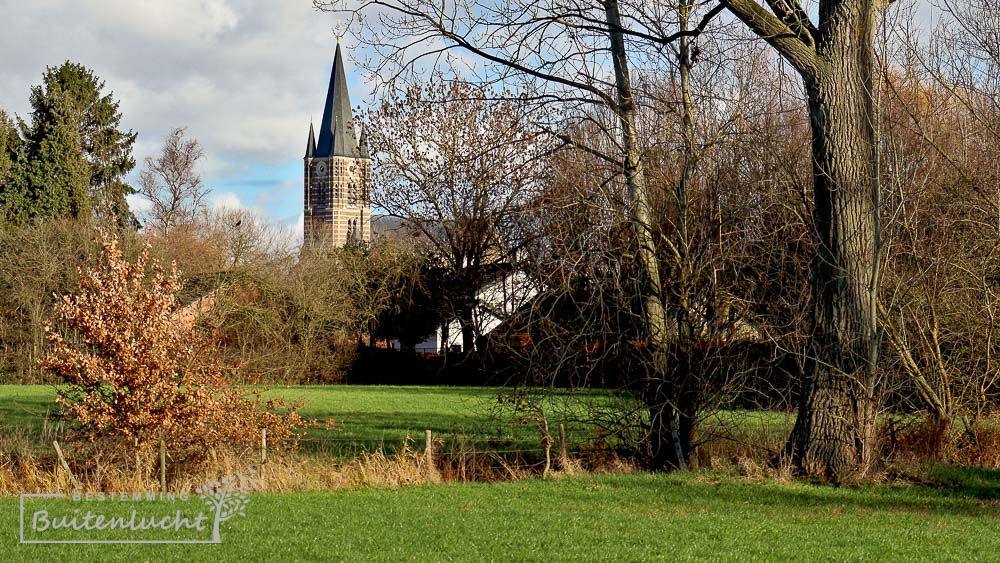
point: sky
(244, 77)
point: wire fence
(534, 453)
(455, 440)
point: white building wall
(496, 302)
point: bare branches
(172, 184)
(456, 166)
(555, 46)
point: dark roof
(389, 225)
(336, 132)
(311, 143)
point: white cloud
(244, 76)
(139, 204)
(225, 200)
(177, 20)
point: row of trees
(63, 174)
(85, 301)
(61, 171)
(690, 212)
(706, 182)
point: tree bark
(834, 434)
(835, 430)
(468, 324)
(689, 394)
(664, 435)
(445, 335)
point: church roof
(336, 132)
(311, 143)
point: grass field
(367, 413)
(700, 515)
(619, 517)
(372, 415)
(366, 417)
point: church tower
(337, 171)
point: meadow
(592, 517)
(364, 418)
(726, 513)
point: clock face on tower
(321, 168)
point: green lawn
(24, 406)
(367, 417)
(621, 517)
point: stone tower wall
(337, 204)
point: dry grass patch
(24, 470)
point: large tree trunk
(834, 432)
(689, 394)
(664, 435)
(445, 335)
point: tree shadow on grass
(971, 500)
(975, 482)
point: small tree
(455, 165)
(134, 373)
(172, 184)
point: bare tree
(455, 166)
(36, 261)
(561, 45)
(940, 303)
(730, 248)
(172, 184)
(834, 434)
(556, 51)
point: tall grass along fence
(51, 463)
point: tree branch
(776, 32)
(792, 13)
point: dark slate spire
(336, 133)
(311, 143)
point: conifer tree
(10, 143)
(103, 146)
(54, 178)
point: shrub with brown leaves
(136, 375)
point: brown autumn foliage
(135, 375)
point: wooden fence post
(138, 460)
(429, 450)
(563, 456)
(62, 461)
(263, 447)
(163, 466)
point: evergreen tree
(10, 144)
(106, 149)
(54, 177)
